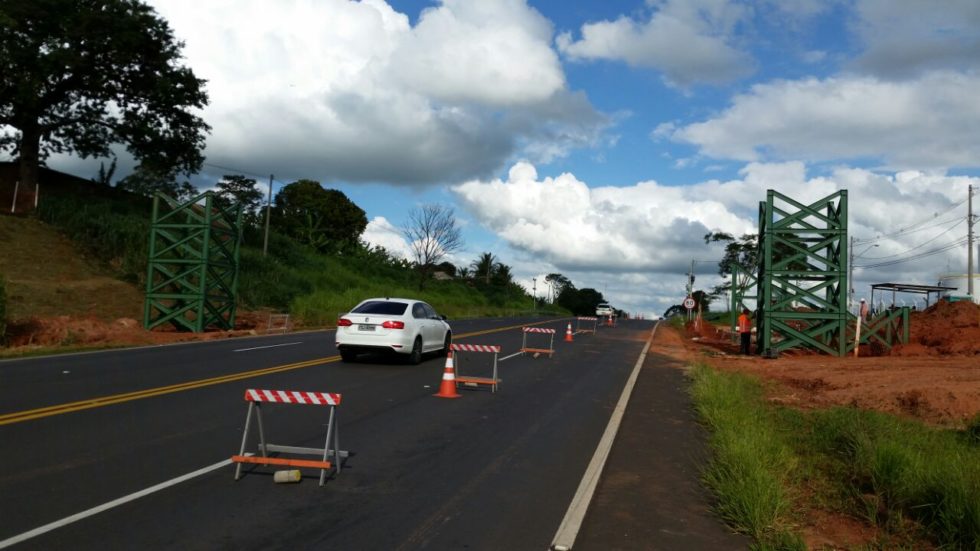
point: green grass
(912, 481)
(313, 287)
(3, 308)
(751, 458)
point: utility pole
(534, 291)
(850, 275)
(969, 239)
(268, 209)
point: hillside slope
(48, 276)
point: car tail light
(344, 322)
(393, 324)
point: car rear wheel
(415, 357)
(445, 345)
(348, 356)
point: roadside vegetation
(314, 270)
(3, 308)
(770, 464)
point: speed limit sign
(689, 303)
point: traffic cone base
(448, 387)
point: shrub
(3, 308)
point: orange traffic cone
(609, 322)
(448, 387)
(568, 334)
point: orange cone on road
(568, 334)
(448, 387)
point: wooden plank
(280, 461)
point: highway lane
(425, 472)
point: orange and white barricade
(539, 330)
(256, 398)
(586, 324)
(469, 380)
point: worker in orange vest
(745, 330)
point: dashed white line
(268, 346)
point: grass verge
(915, 484)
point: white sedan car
(399, 325)
(604, 310)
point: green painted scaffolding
(802, 279)
(192, 272)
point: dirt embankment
(934, 378)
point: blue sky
(602, 139)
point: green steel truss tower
(192, 272)
(802, 279)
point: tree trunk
(30, 153)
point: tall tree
(324, 219)
(234, 188)
(147, 182)
(80, 76)
(484, 266)
(742, 252)
(432, 232)
(558, 284)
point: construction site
(819, 350)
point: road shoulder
(650, 495)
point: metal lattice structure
(802, 280)
(192, 272)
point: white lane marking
(114, 503)
(509, 357)
(268, 346)
(572, 523)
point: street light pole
(534, 295)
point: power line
(919, 256)
(919, 246)
(910, 228)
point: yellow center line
(20, 416)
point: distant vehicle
(392, 325)
(604, 310)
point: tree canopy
(432, 233)
(324, 219)
(234, 188)
(78, 77)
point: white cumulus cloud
(932, 122)
(635, 243)
(341, 89)
(689, 41)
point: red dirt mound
(944, 329)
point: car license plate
(365, 327)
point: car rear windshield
(382, 307)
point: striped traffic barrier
(469, 380)
(533, 330)
(256, 398)
(586, 324)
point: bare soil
(935, 378)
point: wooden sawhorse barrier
(585, 327)
(551, 346)
(255, 398)
(492, 381)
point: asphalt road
(487, 471)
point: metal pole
(268, 208)
(534, 291)
(13, 204)
(969, 246)
(850, 275)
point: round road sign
(689, 303)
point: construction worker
(745, 330)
